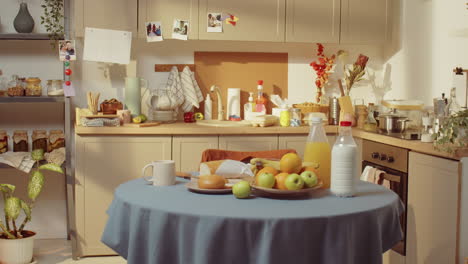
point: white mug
(164, 173)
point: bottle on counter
(261, 101)
(39, 140)
(343, 165)
(20, 141)
(249, 108)
(208, 107)
(3, 141)
(317, 150)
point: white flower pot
(17, 251)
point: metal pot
(392, 123)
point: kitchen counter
(180, 128)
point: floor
(58, 251)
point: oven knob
(383, 157)
(390, 159)
(375, 155)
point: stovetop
(407, 135)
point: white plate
(193, 186)
(287, 192)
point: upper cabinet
(107, 14)
(165, 11)
(313, 21)
(365, 21)
(259, 20)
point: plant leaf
(35, 185)
(51, 167)
(27, 210)
(37, 154)
(7, 188)
(12, 207)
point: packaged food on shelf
(55, 88)
(56, 140)
(296, 117)
(3, 141)
(20, 141)
(33, 87)
(110, 107)
(39, 140)
(15, 86)
(3, 86)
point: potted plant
(16, 243)
(52, 19)
(452, 136)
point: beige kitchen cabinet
(313, 21)
(365, 21)
(432, 210)
(392, 257)
(166, 11)
(259, 20)
(187, 150)
(248, 143)
(107, 14)
(102, 164)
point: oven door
(399, 184)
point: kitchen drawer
(395, 157)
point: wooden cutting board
(241, 70)
(147, 124)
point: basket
(312, 107)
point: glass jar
(3, 141)
(15, 86)
(20, 141)
(56, 140)
(55, 88)
(3, 86)
(295, 119)
(39, 140)
(33, 86)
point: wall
(9, 9)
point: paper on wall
(105, 45)
(214, 22)
(180, 29)
(153, 31)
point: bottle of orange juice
(318, 150)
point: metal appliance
(394, 162)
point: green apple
(294, 182)
(241, 189)
(310, 178)
(266, 180)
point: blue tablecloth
(169, 225)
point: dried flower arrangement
(323, 67)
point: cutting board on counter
(147, 124)
(241, 70)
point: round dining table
(171, 225)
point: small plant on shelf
(14, 205)
(452, 136)
(52, 19)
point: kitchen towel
(20, 160)
(193, 94)
(175, 88)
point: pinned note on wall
(105, 45)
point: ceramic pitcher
(133, 87)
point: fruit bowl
(272, 191)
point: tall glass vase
(23, 23)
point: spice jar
(3, 141)
(33, 86)
(55, 88)
(20, 141)
(295, 119)
(39, 140)
(56, 140)
(15, 87)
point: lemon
(137, 120)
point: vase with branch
(323, 67)
(52, 19)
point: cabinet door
(102, 164)
(165, 11)
(298, 142)
(187, 150)
(365, 21)
(259, 20)
(432, 210)
(391, 257)
(313, 21)
(248, 143)
(107, 14)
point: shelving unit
(24, 36)
(32, 99)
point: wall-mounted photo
(214, 22)
(153, 31)
(67, 47)
(180, 29)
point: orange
(279, 181)
(291, 163)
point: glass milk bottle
(343, 162)
(317, 150)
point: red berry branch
(322, 67)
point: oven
(393, 161)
